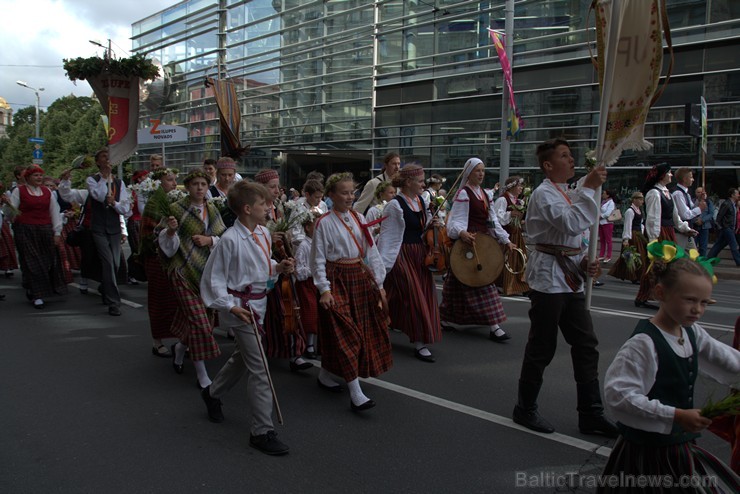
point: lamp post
(38, 101)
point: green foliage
(70, 127)
(84, 68)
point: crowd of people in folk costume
(327, 274)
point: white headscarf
(467, 170)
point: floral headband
(514, 183)
(668, 252)
(334, 179)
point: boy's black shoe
(213, 405)
(269, 444)
(531, 419)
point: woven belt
(574, 275)
(245, 297)
(353, 260)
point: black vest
(104, 219)
(666, 209)
(226, 213)
(674, 386)
(636, 222)
(414, 220)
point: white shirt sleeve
(15, 198)
(652, 214)
(213, 282)
(680, 225)
(367, 197)
(497, 230)
(457, 220)
(302, 255)
(629, 215)
(56, 216)
(684, 212)
(629, 379)
(168, 244)
(69, 194)
(391, 234)
(317, 259)
(499, 206)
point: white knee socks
(355, 392)
(202, 373)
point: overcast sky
(37, 34)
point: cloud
(43, 32)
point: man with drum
(556, 219)
(474, 302)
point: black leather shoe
(156, 351)
(179, 368)
(531, 419)
(269, 444)
(498, 339)
(365, 406)
(598, 283)
(597, 425)
(310, 354)
(2, 297)
(294, 367)
(213, 405)
(8, 274)
(39, 306)
(334, 389)
(424, 358)
(645, 305)
(83, 290)
(446, 327)
(114, 310)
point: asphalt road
(86, 408)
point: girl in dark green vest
(649, 388)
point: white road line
(490, 417)
(123, 300)
(635, 315)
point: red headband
(222, 164)
(31, 170)
(265, 176)
(409, 171)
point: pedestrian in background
(704, 223)
(606, 227)
(727, 224)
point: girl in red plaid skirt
(308, 295)
(349, 273)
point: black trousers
(566, 311)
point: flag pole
(609, 69)
(505, 108)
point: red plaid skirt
(412, 297)
(279, 343)
(462, 304)
(513, 284)
(353, 336)
(73, 255)
(308, 296)
(193, 322)
(160, 299)
(646, 282)
(8, 259)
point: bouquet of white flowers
(219, 202)
(176, 194)
(294, 214)
(145, 188)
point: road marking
(489, 417)
(123, 300)
(635, 315)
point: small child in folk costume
(661, 221)
(384, 193)
(510, 213)
(633, 235)
(556, 220)
(284, 338)
(308, 295)
(192, 230)
(412, 294)
(237, 275)
(472, 214)
(312, 200)
(650, 384)
(349, 273)
(159, 291)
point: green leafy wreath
(84, 68)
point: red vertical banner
(119, 97)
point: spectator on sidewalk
(704, 222)
(727, 223)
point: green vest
(674, 386)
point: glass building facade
(335, 84)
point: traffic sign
(38, 154)
(39, 140)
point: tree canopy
(70, 127)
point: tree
(70, 127)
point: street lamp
(38, 101)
